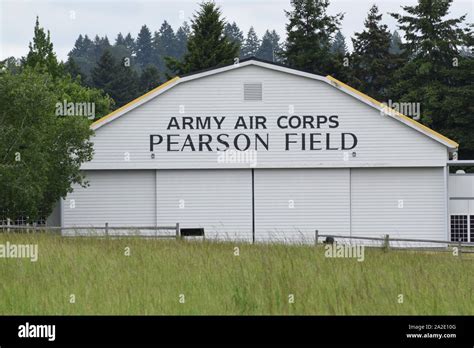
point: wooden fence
(387, 242)
(107, 230)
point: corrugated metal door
(290, 204)
(220, 201)
(401, 202)
(119, 197)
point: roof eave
(451, 144)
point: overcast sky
(67, 19)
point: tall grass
(215, 281)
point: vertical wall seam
(253, 205)
(156, 197)
(350, 202)
(446, 202)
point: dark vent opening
(192, 232)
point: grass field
(215, 281)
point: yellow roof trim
(122, 108)
(390, 110)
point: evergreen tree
(116, 79)
(341, 68)
(144, 47)
(373, 65)
(149, 79)
(124, 86)
(72, 68)
(395, 44)
(83, 54)
(208, 46)
(437, 75)
(100, 45)
(129, 43)
(428, 33)
(104, 72)
(309, 34)
(41, 54)
(122, 52)
(234, 34)
(165, 45)
(87, 45)
(251, 45)
(79, 46)
(338, 45)
(182, 35)
(270, 47)
(120, 40)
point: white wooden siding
(220, 201)
(461, 186)
(377, 193)
(121, 198)
(461, 194)
(290, 204)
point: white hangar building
(258, 151)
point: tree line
(144, 62)
(430, 63)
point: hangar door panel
(290, 204)
(220, 201)
(119, 197)
(401, 202)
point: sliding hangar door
(116, 197)
(268, 204)
(290, 204)
(275, 204)
(220, 201)
(401, 202)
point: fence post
(178, 232)
(8, 224)
(106, 229)
(316, 237)
(459, 247)
(387, 242)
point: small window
(252, 91)
(459, 232)
(472, 228)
